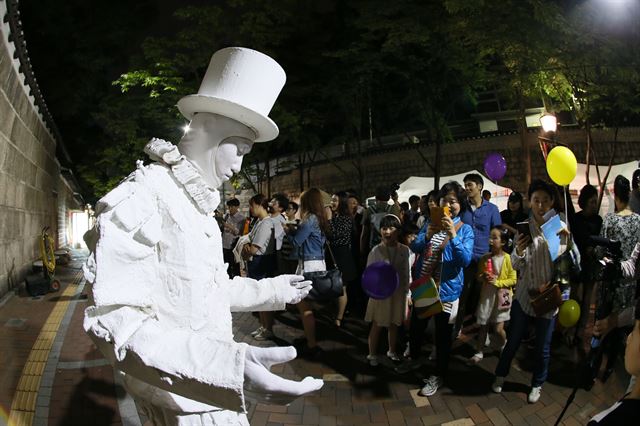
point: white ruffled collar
(206, 198)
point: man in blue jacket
(481, 216)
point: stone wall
(33, 193)
(385, 166)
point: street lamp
(549, 124)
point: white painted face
(216, 146)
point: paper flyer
(550, 231)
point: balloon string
(566, 206)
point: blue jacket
(307, 239)
(481, 221)
(456, 256)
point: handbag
(504, 299)
(546, 299)
(325, 285)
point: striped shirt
(535, 268)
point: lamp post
(549, 124)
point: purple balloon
(495, 166)
(380, 280)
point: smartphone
(523, 228)
(437, 213)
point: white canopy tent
(421, 185)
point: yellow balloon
(562, 165)
(569, 313)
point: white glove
(297, 289)
(262, 385)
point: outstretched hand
(299, 288)
(262, 385)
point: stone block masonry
(33, 194)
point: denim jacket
(308, 239)
(455, 257)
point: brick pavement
(85, 391)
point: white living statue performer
(163, 299)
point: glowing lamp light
(549, 123)
(185, 129)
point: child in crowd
(389, 312)
(497, 277)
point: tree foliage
(356, 69)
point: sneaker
(534, 395)
(373, 360)
(264, 335)
(407, 351)
(431, 386)
(433, 355)
(407, 366)
(393, 356)
(498, 382)
(257, 331)
(476, 358)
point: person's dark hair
(234, 202)
(541, 185)
(311, 203)
(516, 197)
(475, 178)
(432, 194)
(282, 200)
(343, 203)
(504, 237)
(414, 199)
(259, 200)
(294, 205)
(485, 193)
(404, 206)
(410, 228)
(389, 221)
(635, 179)
(383, 193)
(622, 188)
(586, 193)
(459, 192)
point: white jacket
(163, 299)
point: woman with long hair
(341, 223)
(308, 239)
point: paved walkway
(51, 373)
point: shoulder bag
(326, 285)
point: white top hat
(242, 84)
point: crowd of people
(488, 267)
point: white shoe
(476, 358)
(393, 356)
(264, 335)
(498, 382)
(407, 351)
(534, 395)
(373, 360)
(257, 331)
(431, 385)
